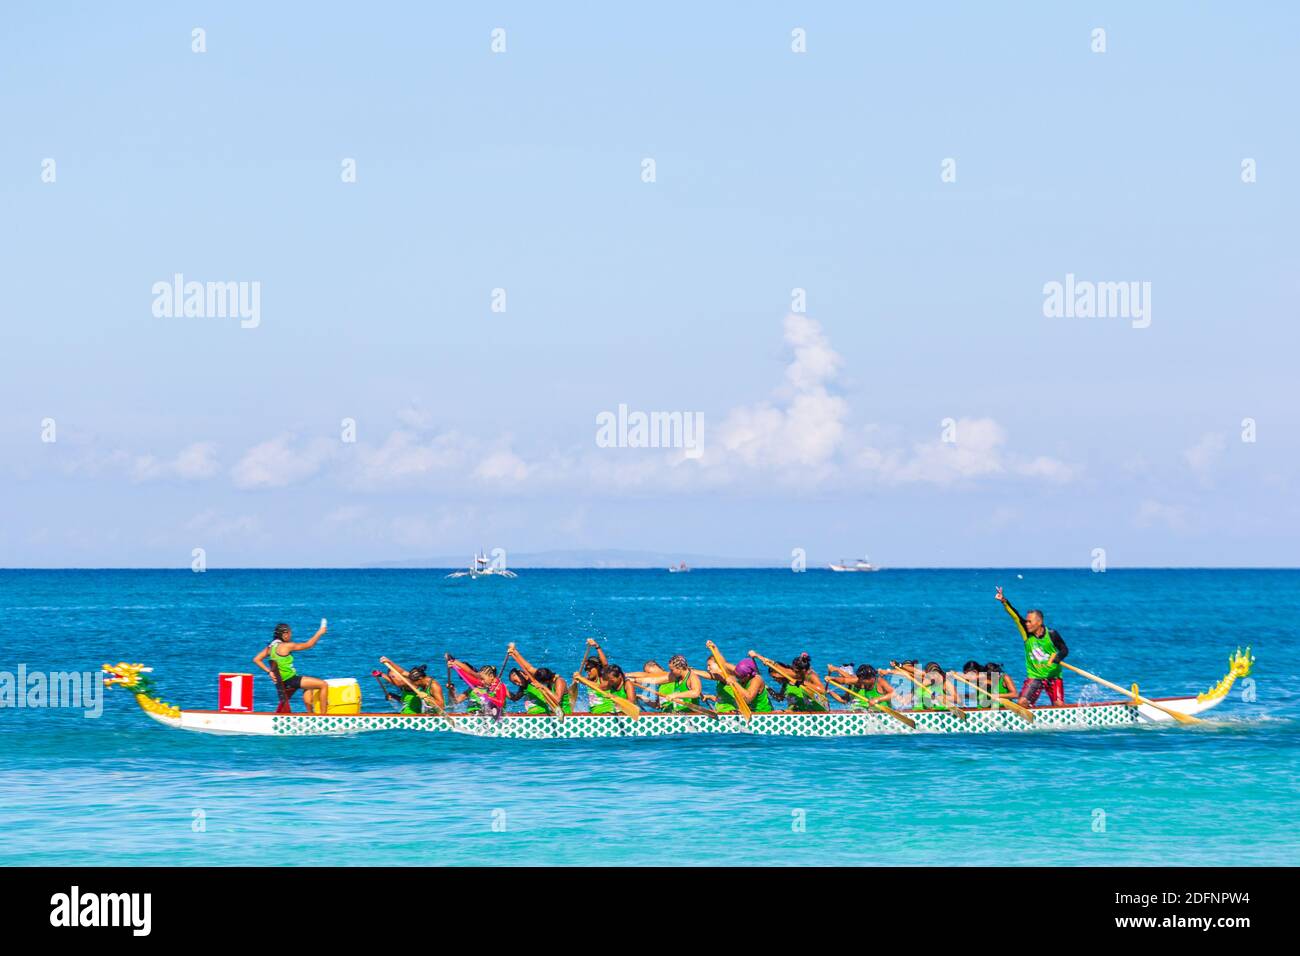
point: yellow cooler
(344, 696)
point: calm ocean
(121, 789)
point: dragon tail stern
(1240, 664)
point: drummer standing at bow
(1044, 651)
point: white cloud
(979, 451)
(1151, 512)
(279, 462)
(1051, 469)
(405, 455)
(809, 429)
(815, 362)
(192, 463)
(1206, 453)
(502, 466)
(799, 437)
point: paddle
(789, 675)
(582, 667)
(736, 690)
(956, 711)
(388, 694)
(281, 691)
(1011, 705)
(626, 706)
(902, 718)
(693, 708)
(1181, 718)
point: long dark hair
(281, 630)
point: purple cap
(745, 668)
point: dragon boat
(1084, 715)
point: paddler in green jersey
(935, 691)
(592, 668)
(417, 676)
(677, 686)
(751, 683)
(802, 692)
(613, 681)
(1044, 651)
(486, 693)
(866, 681)
(281, 651)
(532, 680)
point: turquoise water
(121, 789)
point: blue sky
(774, 171)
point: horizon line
(752, 567)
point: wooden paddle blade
(736, 690)
(629, 708)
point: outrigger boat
(1135, 711)
(482, 567)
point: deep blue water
(120, 789)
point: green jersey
(537, 701)
(1038, 650)
(872, 693)
(930, 697)
(283, 662)
(802, 700)
(674, 687)
(602, 704)
(761, 704)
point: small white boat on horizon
(482, 567)
(680, 569)
(862, 564)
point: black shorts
(291, 684)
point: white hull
(785, 724)
(841, 723)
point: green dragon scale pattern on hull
(581, 726)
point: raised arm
(467, 675)
(600, 652)
(308, 644)
(649, 677)
(1015, 615)
(526, 667)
